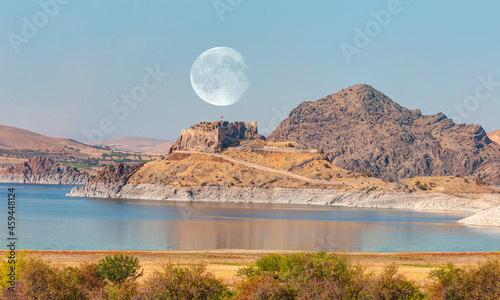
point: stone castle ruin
(215, 136)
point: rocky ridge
(361, 129)
(42, 170)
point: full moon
(219, 76)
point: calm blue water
(48, 220)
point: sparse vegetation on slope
(361, 129)
(179, 169)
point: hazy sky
(63, 64)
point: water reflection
(49, 220)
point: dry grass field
(224, 264)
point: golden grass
(276, 160)
(181, 169)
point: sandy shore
(224, 264)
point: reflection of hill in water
(268, 234)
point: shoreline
(478, 203)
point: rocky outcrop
(363, 130)
(215, 136)
(486, 217)
(116, 174)
(42, 170)
(369, 199)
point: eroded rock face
(118, 173)
(361, 129)
(42, 170)
(215, 136)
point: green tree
(118, 268)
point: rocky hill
(41, 170)
(361, 129)
(495, 136)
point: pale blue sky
(65, 78)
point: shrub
(122, 291)
(307, 276)
(263, 288)
(93, 281)
(21, 258)
(481, 282)
(41, 281)
(119, 268)
(192, 282)
(393, 286)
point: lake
(48, 220)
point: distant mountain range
(138, 144)
(19, 145)
(495, 136)
(361, 129)
(22, 142)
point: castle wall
(215, 136)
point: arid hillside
(362, 130)
(269, 169)
(19, 145)
(16, 139)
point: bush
(122, 291)
(41, 281)
(393, 286)
(305, 276)
(21, 258)
(481, 282)
(119, 268)
(93, 282)
(193, 282)
(263, 288)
